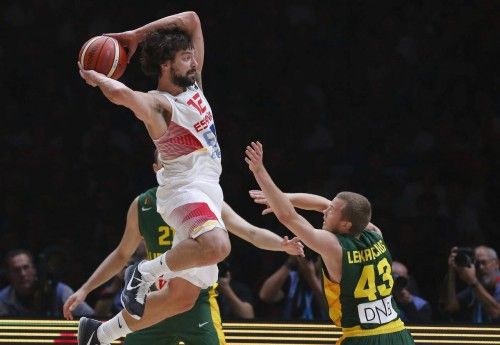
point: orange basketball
(105, 55)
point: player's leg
(203, 324)
(209, 248)
(178, 298)
(200, 240)
(200, 325)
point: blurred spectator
(29, 296)
(413, 309)
(479, 302)
(296, 287)
(235, 299)
(109, 302)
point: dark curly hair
(162, 45)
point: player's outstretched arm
(113, 263)
(303, 201)
(144, 105)
(322, 242)
(259, 237)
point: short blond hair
(357, 210)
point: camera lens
(400, 283)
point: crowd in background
(397, 100)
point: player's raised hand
(128, 39)
(259, 197)
(90, 76)
(254, 155)
(293, 246)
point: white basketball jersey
(189, 152)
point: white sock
(153, 269)
(113, 329)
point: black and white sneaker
(87, 332)
(137, 286)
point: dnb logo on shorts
(379, 312)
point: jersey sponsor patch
(378, 312)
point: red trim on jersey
(177, 141)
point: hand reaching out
(259, 197)
(293, 246)
(254, 155)
(72, 302)
(128, 39)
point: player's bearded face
(183, 68)
(185, 79)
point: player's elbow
(285, 216)
(117, 94)
(194, 19)
(191, 20)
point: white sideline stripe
(116, 57)
(82, 59)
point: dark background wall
(397, 100)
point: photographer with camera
(31, 294)
(234, 298)
(413, 309)
(296, 289)
(479, 302)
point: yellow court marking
(264, 331)
(438, 328)
(280, 339)
(464, 335)
(274, 325)
(487, 342)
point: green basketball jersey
(363, 301)
(157, 234)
